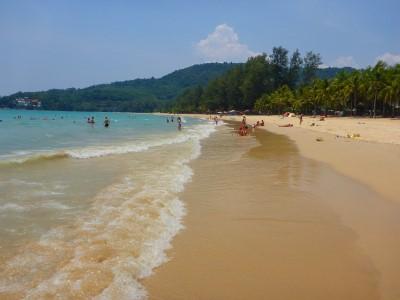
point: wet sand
(266, 222)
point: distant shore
(247, 192)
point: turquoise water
(87, 211)
(26, 132)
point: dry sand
(267, 222)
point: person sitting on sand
(262, 123)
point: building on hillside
(28, 102)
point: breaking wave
(198, 131)
(122, 237)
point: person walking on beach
(301, 119)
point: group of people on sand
(243, 129)
(178, 120)
(258, 123)
(106, 122)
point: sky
(71, 43)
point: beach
(147, 209)
(280, 215)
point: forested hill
(328, 73)
(139, 95)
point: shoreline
(346, 215)
(374, 161)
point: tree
(311, 63)
(296, 63)
(279, 63)
(374, 82)
(257, 79)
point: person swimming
(106, 122)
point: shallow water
(87, 211)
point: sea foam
(122, 238)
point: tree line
(273, 84)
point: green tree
(311, 63)
(279, 65)
(296, 63)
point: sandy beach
(280, 215)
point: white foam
(197, 132)
(54, 205)
(130, 225)
(12, 207)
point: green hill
(331, 72)
(139, 95)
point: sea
(87, 211)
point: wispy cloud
(345, 61)
(223, 45)
(341, 61)
(389, 58)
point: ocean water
(87, 211)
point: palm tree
(353, 86)
(374, 82)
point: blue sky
(60, 44)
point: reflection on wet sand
(266, 223)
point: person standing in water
(106, 122)
(216, 120)
(179, 120)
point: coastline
(373, 159)
(331, 237)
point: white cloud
(345, 61)
(389, 58)
(223, 45)
(323, 66)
